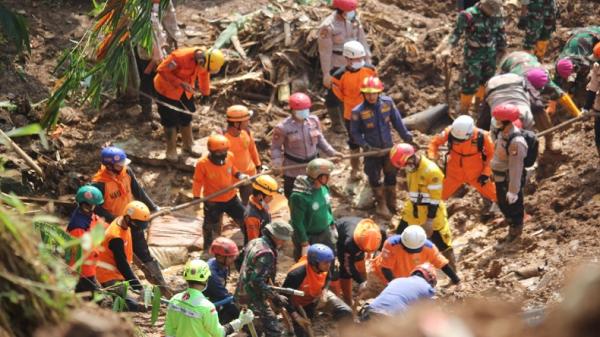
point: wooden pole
(30, 162)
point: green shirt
(311, 210)
(190, 314)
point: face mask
(350, 15)
(411, 167)
(218, 158)
(264, 205)
(358, 65)
(302, 114)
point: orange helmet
(367, 235)
(218, 143)
(238, 113)
(371, 85)
(400, 154)
(597, 51)
(137, 210)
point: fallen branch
(30, 162)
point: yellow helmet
(137, 210)
(196, 270)
(238, 113)
(213, 60)
(266, 184)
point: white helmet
(413, 237)
(462, 127)
(354, 50)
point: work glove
(428, 227)
(303, 322)
(327, 81)
(246, 316)
(522, 23)
(483, 179)
(280, 300)
(244, 177)
(304, 250)
(512, 197)
(338, 155)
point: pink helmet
(538, 77)
(564, 67)
(345, 5)
(299, 101)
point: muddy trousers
(451, 184)
(269, 324)
(515, 212)
(374, 166)
(288, 186)
(597, 132)
(140, 245)
(170, 118)
(333, 304)
(212, 218)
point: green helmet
(280, 230)
(196, 270)
(89, 194)
(319, 166)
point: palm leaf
(14, 27)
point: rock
(133, 111)
(494, 269)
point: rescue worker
(311, 275)
(119, 186)
(84, 220)
(215, 172)
(424, 206)
(485, 42)
(470, 151)
(225, 252)
(338, 28)
(310, 208)
(509, 170)
(257, 214)
(371, 129)
(401, 254)
(191, 314)
(461, 5)
(401, 293)
(175, 83)
(258, 272)
(592, 102)
(242, 145)
(573, 63)
(522, 63)
(297, 139)
(164, 31)
(538, 20)
(116, 254)
(346, 84)
(358, 239)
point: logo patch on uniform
(385, 108)
(229, 170)
(370, 125)
(366, 114)
(315, 206)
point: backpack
(532, 146)
(479, 144)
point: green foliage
(14, 27)
(156, 294)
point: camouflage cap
(493, 7)
(280, 230)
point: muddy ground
(563, 198)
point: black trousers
(288, 186)
(170, 118)
(515, 212)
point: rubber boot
(188, 141)
(336, 288)
(346, 285)
(154, 275)
(465, 104)
(540, 49)
(355, 174)
(390, 198)
(514, 232)
(566, 101)
(449, 254)
(335, 115)
(171, 138)
(380, 201)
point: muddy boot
(355, 173)
(154, 275)
(390, 198)
(171, 139)
(207, 236)
(146, 105)
(335, 115)
(449, 254)
(380, 201)
(188, 141)
(514, 232)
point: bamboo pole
(30, 162)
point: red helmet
(400, 154)
(224, 247)
(345, 5)
(428, 272)
(371, 85)
(299, 101)
(506, 112)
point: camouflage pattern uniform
(259, 267)
(578, 48)
(520, 62)
(484, 40)
(540, 21)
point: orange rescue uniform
(179, 67)
(88, 267)
(466, 163)
(245, 154)
(312, 285)
(346, 86)
(117, 190)
(210, 178)
(107, 270)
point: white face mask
(350, 15)
(302, 114)
(358, 64)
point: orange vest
(117, 190)
(245, 155)
(107, 270)
(88, 268)
(312, 285)
(212, 178)
(180, 66)
(347, 88)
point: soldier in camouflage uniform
(485, 40)
(538, 20)
(258, 271)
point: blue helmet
(112, 155)
(319, 253)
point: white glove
(246, 316)
(245, 177)
(155, 8)
(512, 197)
(304, 251)
(236, 324)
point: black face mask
(217, 158)
(137, 223)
